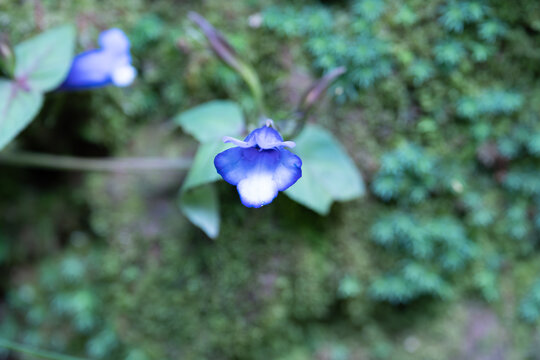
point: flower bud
(313, 95)
(228, 55)
(309, 100)
(219, 44)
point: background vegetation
(440, 109)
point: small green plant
(354, 44)
(432, 248)
(455, 14)
(407, 174)
(489, 102)
(449, 52)
(529, 307)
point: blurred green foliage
(439, 108)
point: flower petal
(258, 189)
(239, 143)
(230, 165)
(123, 75)
(109, 65)
(114, 40)
(238, 163)
(288, 171)
(258, 174)
(289, 144)
(89, 69)
(267, 137)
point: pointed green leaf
(44, 60)
(201, 206)
(310, 193)
(202, 170)
(212, 120)
(18, 107)
(328, 173)
(198, 198)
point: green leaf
(328, 173)
(42, 63)
(44, 60)
(212, 120)
(208, 123)
(201, 206)
(18, 107)
(203, 171)
(198, 198)
(310, 193)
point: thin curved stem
(59, 162)
(313, 96)
(228, 55)
(35, 352)
(254, 84)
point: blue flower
(111, 64)
(259, 166)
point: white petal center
(257, 190)
(124, 75)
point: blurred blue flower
(111, 64)
(259, 166)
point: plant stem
(252, 80)
(313, 96)
(60, 162)
(35, 352)
(228, 55)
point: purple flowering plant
(46, 63)
(108, 65)
(313, 170)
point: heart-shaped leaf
(328, 173)
(310, 193)
(44, 60)
(198, 197)
(212, 120)
(18, 107)
(208, 123)
(201, 206)
(202, 170)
